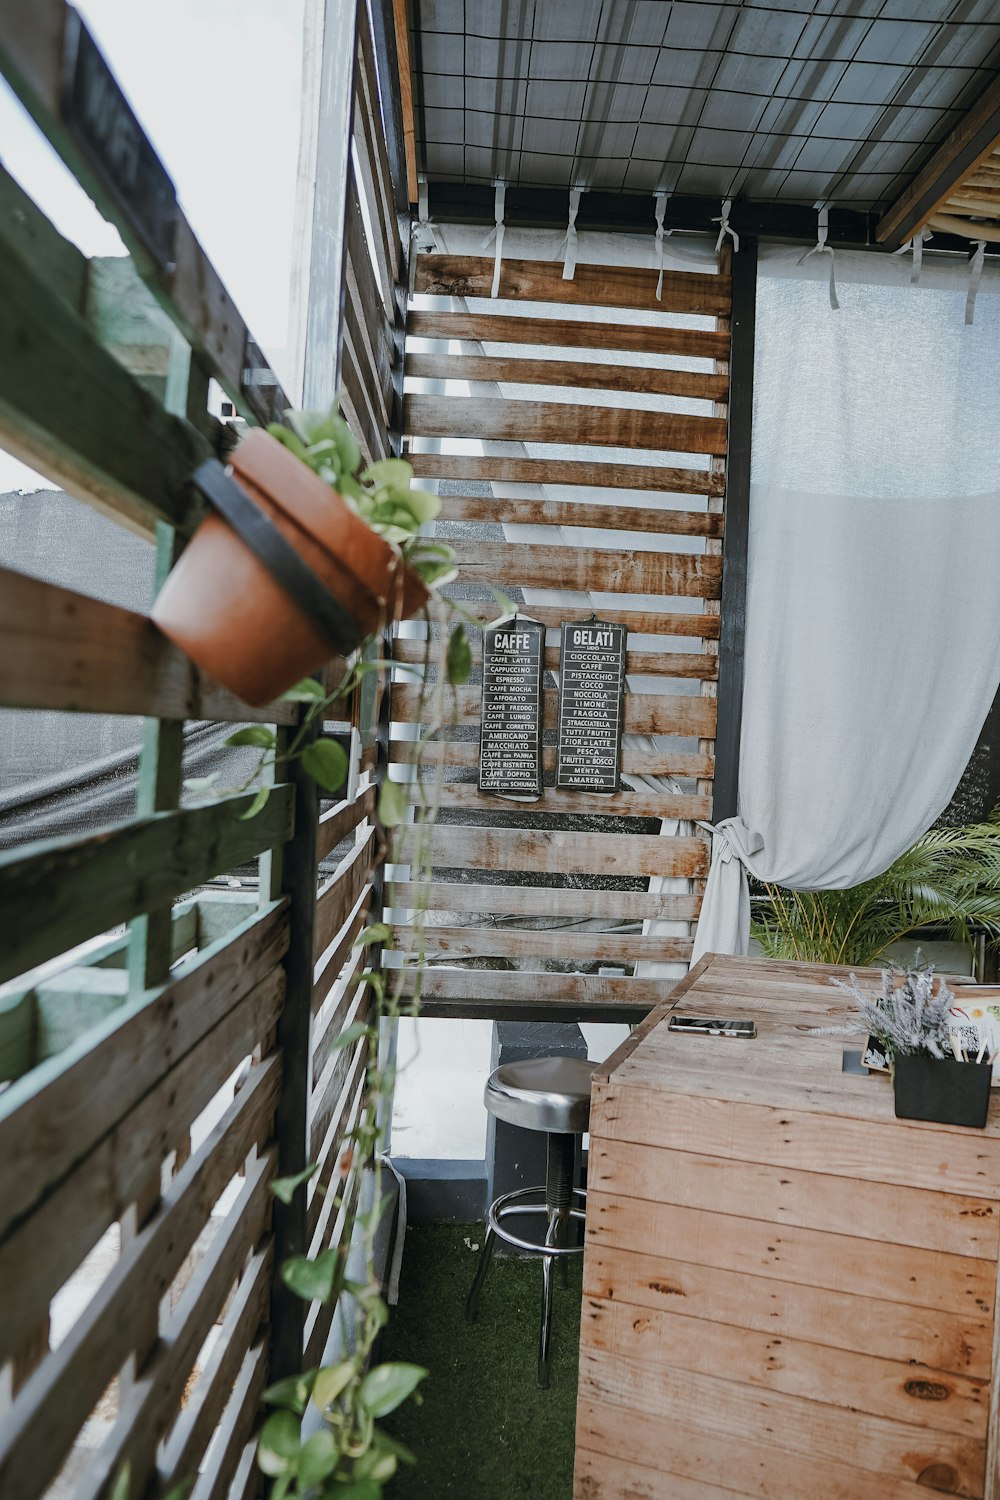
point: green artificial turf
(484, 1431)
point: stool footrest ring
(511, 1204)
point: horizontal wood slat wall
(500, 899)
(137, 1322)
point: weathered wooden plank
(598, 1477)
(44, 1248)
(664, 1343)
(148, 1410)
(57, 259)
(62, 891)
(203, 1406)
(838, 1320)
(570, 374)
(329, 975)
(57, 1402)
(338, 897)
(89, 1089)
(106, 439)
(640, 621)
(693, 1465)
(592, 286)
(580, 333)
(562, 422)
(634, 762)
(609, 570)
(605, 476)
(346, 965)
(341, 819)
(843, 1263)
(532, 901)
(77, 654)
(370, 150)
(645, 713)
(571, 947)
(503, 510)
(799, 1138)
(318, 1329)
(950, 1222)
(733, 1414)
(621, 805)
(334, 1164)
(233, 1454)
(328, 1092)
(555, 852)
(687, 664)
(493, 994)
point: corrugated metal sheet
(838, 100)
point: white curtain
(873, 601)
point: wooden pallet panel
(562, 423)
(569, 374)
(597, 473)
(606, 570)
(557, 853)
(592, 286)
(519, 512)
(523, 900)
(563, 333)
(645, 713)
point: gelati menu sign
(510, 743)
(591, 695)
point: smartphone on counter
(705, 1026)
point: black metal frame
(733, 607)
(540, 207)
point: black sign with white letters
(591, 702)
(510, 743)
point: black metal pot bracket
(339, 628)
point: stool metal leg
(545, 1338)
(485, 1256)
(559, 1191)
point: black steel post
(733, 606)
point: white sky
(216, 87)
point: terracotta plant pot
(222, 606)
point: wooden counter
(787, 1292)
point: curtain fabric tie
(975, 276)
(822, 248)
(661, 208)
(496, 235)
(917, 246)
(569, 239)
(725, 228)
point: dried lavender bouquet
(904, 1019)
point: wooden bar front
(788, 1293)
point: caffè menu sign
(510, 745)
(591, 699)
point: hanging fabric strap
(822, 248)
(569, 239)
(423, 232)
(724, 227)
(496, 235)
(975, 276)
(917, 246)
(661, 208)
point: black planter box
(944, 1090)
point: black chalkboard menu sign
(591, 694)
(510, 742)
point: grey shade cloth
(873, 613)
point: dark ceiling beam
(548, 208)
(971, 140)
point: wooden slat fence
(563, 886)
(156, 1080)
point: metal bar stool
(550, 1094)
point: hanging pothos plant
(349, 1456)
